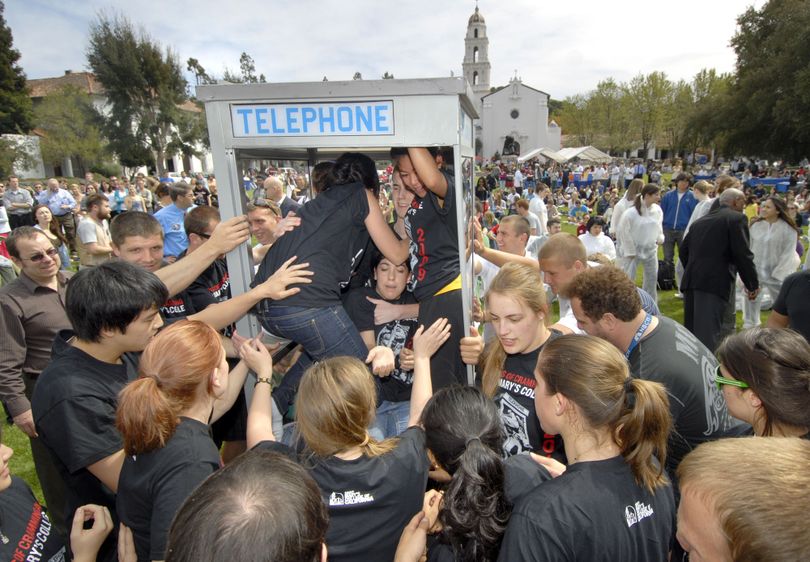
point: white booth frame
(424, 112)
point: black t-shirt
(593, 512)
(673, 356)
(177, 307)
(433, 232)
(794, 302)
(332, 238)
(154, 485)
(370, 499)
(515, 400)
(213, 286)
(200, 193)
(74, 406)
(25, 530)
(396, 335)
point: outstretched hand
(471, 347)
(427, 342)
(229, 234)
(275, 286)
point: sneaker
(679, 295)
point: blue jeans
(391, 420)
(322, 332)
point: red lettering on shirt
(519, 379)
(30, 531)
(421, 270)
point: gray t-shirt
(674, 357)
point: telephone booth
(302, 124)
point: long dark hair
(463, 431)
(782, 212)
(354, 167)
(54, 228)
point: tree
(145, 89)
(647, 95)
(769, 103)
(72, 128)
(608, 108)
(387, 76)
(679, 105)
(15, 106)
(576, 120)
(248, 69)
(357, 76)
(193, 65)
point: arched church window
(475, 32)
(475, 78)
(475, 54)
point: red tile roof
(85, 81)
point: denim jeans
(322, 332)
(391, 420)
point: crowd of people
(607, 432)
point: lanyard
(637, 337)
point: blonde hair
(522, 283)
(336, 404)
(766, 518)
(593, 374)
(702, 186)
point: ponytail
(593, 374)
(145, 417)
(648, 189)
(642, 430)
(463, 431)
(173, 367)
(475, 510)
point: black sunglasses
(51, 252)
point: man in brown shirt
(94, 242)
(32, 311)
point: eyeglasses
(51, 252)
(205, 236)
(720, 380)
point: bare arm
(95, 249)
(260, 415)
(108, 470)
(226, 236)
(236, 380)
(776, 320)
(368, 339)
(428, 171)
(425, 344)
(500, 258)
(391, 247)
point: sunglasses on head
(265, 204)
(720, 380)
(51, 252)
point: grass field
(22, 465)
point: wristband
(262, 379)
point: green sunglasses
(720, 380)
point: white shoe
(679, 295)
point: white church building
(514, 119)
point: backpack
(666, 276)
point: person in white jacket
(596, 241)
(773, 243)
(619, 208)
(640, 233)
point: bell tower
(476, 55)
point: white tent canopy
(583, 153)
(545, 153)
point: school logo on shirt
(635, 513)
(349, 497)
